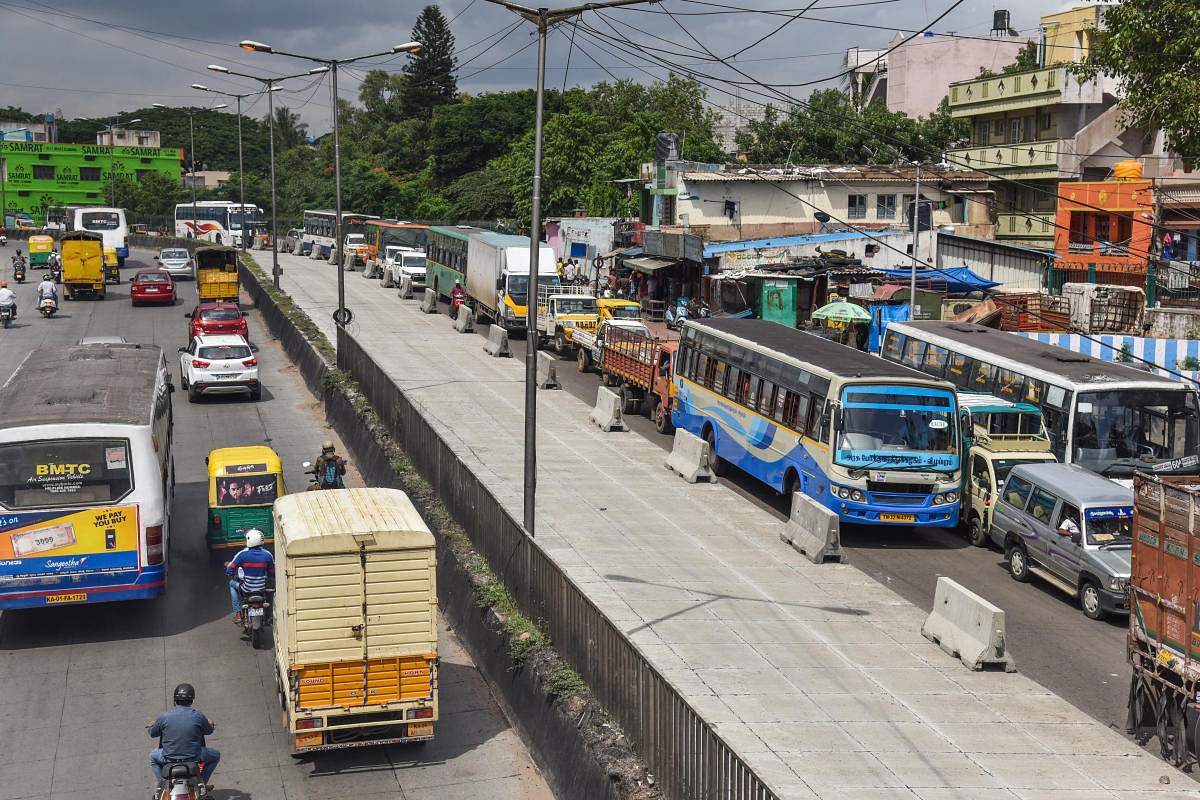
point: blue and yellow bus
(874, 441)
(85, 491)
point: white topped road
(817, 675)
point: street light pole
(912, 281)
(241, 165)
(543, 18)
(342, 316)
(192, 136)
(271, 89)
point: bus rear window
(100, 220)
(64, 472)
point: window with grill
(856, 206)
(885, 206)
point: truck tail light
(198, 363)
(154, 544)
(420, 713)
(250, 362)
(305, 724)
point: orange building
(1103, 231)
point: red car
(152, 286)
(217, 318)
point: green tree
(1150, 47)
(289, 130)
(429, 73)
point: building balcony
(1031, 160)
(1026, 225)
(1021, 90)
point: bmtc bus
(217, 221)
(1106, 417)
(875, 442)
(446, 257)
(86, 476)
(108, 222)
(318, 229)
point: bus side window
(733, 381)
(780, 399)
(700, 369)
(799, 421)
(752, 394)
(790, 404)
(717, 382)
(766, 399)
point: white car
(400, 261)
(219, 364)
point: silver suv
(1071, 528)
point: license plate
(78, 597)
(420, 729)
(308, 739)
(256, 612)
(897, 517)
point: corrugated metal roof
(791, 241)
(992, 243)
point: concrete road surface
(79, 684)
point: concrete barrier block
(690, 456)
(497, 341)
(429, 303)
(406, 288)
(547, 375)
(465, 321)
(813, 530)
(298, 248)
(607, 413)
(967, 627)
(315, 253)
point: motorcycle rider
(46, 289)
(181, 733)
(330, 468)
(257, 566)
(18, 261)
(457, 293)
(8, 298)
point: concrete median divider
(497, 341)
(298, 248)
(967, 627)
(547, 373)
(405, 288)
(429, 302)
(690, 456)
(607, 413)
(465, 321)
(813, 530)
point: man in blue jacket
(180, 733)
(258, 570)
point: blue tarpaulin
(881, 315)
(955, 280)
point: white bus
(85, 490)
(318, 229)
(1107, 417)
(218, 221)
(108, 222)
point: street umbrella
(842, 311)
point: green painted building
(40, 174)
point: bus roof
(91, 383)
(1032, 358)
(458, 231)
(990, 404)
(394, 223)
(331, 212)
(507, 239)
(836, 358)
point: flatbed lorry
(356, 631)
(640, 366)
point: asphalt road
(1081, 660)
(78, 685)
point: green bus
(446, 257)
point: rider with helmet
(46, 289)
(458, 292)
(330, 468)
(257, 568)
(181, 733)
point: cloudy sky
(96, 59)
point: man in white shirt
(8, 297)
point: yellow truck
(83, 264)
(217, 274)
(356, 628)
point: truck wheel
(976, 534)
(560, 342)
(629, 401)
(583, 360)
(661, 414)
(1089, 600)
(1018, 563)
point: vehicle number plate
(66, 598)
(256, 612)
(420, 729)
(897, 517)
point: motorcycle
(317, 484)
(6, 315)
(19, 271)
(183, 782)
(256, 615)
(684, 310)
(456, 300)
(56, 268)
(48, 306)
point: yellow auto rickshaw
(243, 483)
(40, 248)
(112, 266)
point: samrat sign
(52, 543)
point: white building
(127, 137)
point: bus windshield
(1119, 431)
(897, 427)
(235, 217)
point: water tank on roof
(1128, 170)
(666, 147)
(1000, 20)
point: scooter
(48, 307)
(456, 300)
(684, 310)
(183, 782)
(19, 271)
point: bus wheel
(791, 484)
(715, 460)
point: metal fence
(688, 758)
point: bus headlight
(846, 493)
(945, 498)
(841, 491)
(858, 496)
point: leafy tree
(429, 73)
(14, 114)
(1027, 58)
(1150, 46)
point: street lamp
(192, 136)
(241, 167)
(112, 145)
(342, 316)
(271, 89)
(543, 18)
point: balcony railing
(1033, 225)
(1016, 90)
(1026, 156)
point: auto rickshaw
(112, 266)
(243, 483)
(138, 229)
(40, 250)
